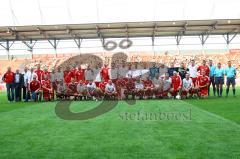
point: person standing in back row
(153, 71)
(8, 78)
(231, 74)
(18, 84)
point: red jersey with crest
(46, 84)
(45, 74)
(148, 84)
(8, 77)
(102, 85)
(104, 74)
(73, 87)
(72, 73)
(39, 74)
(80, 75)
(67, 76)
(130, 85)
(203, 80)
(121, 83)
(34, 85)
(176, 82)
(204, 68)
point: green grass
(32, 130)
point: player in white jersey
(53, 80)
(89, 74)
(96, 75)
(113, 73)
(61, 90)
(59, 75)
(193, 71)
(167, 85)
(187, 86)
(139, 88)
(122, 71)
(130, 72)
(92, 90)
(110, 90)
(81, 90)
(158, 85)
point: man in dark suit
(18, 83)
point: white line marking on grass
(213, 115)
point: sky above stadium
(42, 12)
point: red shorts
(97, 83)
(203, 91)
(114, 81)
(194, 80)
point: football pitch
(194, 129)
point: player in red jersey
(148, 88)
(72, 89)
(130, 88)
(204, 67)
(45, 74)
(67, 75)
(35, 89)
(104, 73)
(72, 73)
(101, 88)
(202, 85)
(47, 89)
(121, 86)
(80, 74)
(39, 72)
(176, 84)
(8, 78)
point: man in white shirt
(187, 86)
(59, 75)
(31, 74)
(158, 85)
(89, 74)
(25, 84)
(110, 90)
(139, 88)
(92, 90)
(130, 72)
(61, 90)
(113, 73)
(123, 70)
(96, 75)
(167, 85)
(81, 90)
(193, 71)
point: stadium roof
(120, 30)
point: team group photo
(120, 79)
